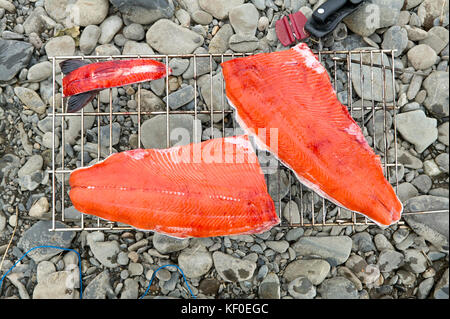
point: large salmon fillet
(210, 189)
(290, 91)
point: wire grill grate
(313, 210)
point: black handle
(327, 9)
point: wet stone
(154, 131)
(105, 134)
(180, 97)
(144, 12)
(301, 288)
(269, 287)
(362, 242)
(335, 249)
(134, 32)
(178, 66)
(195, 262)
(437, 86)
(203, 65)
(14, 55)
(422, 57)
(338, 288)
(99, 287)
(424, 288)
(233, 269)
(371, 89)
(209, 286)
(166, 244)
(315, 270)
(441, 288)
(183, 41)
(418, 129)
(389, 260)
(39, 235)
(415, 261)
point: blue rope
(47, 246)
(153, 276)
(79, 265)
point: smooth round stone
(134, 31)
(263, 23)
(219, 9)
(135, 269)
(139, 48)
(315, 270)
(39, 208)
(195, 262)
(183, 17)
(244, 19)
(124, 274)
(270, 287)
(202, 17)
(232, 269)
(60, 46)
(338, 288)
(109, 28)
(33, 165)
(89, 38)
(47, 140)
(12, 221)
(182, 40)
(163, 274)
(243, 43)
(90, 12)
(40, 71)
(302, 288)
(415, 261)
(422, 56)
(395, 38)
(107, 49)
(122, 258)
(389, 260)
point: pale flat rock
(219, 9)
(182, 40)
(233, 269)
(418, 129)
(334, 249)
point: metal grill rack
(282, 184)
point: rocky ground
(300, 262)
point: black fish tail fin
(69, 65)
(78, 101)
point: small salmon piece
(178, 192)
(317, 138)
(83, 80)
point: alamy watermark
(373, 16)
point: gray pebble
(135, 269)
(134, 32)
(423, 183)
(302, 288)
(338, 288)
(122, 258)
(389, 260)
(163, 274)
(89, 38)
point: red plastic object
(288, 32)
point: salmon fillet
(215, 188)
(83, 80)
(290, 91)
(100, 75)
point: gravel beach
(302, 262)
